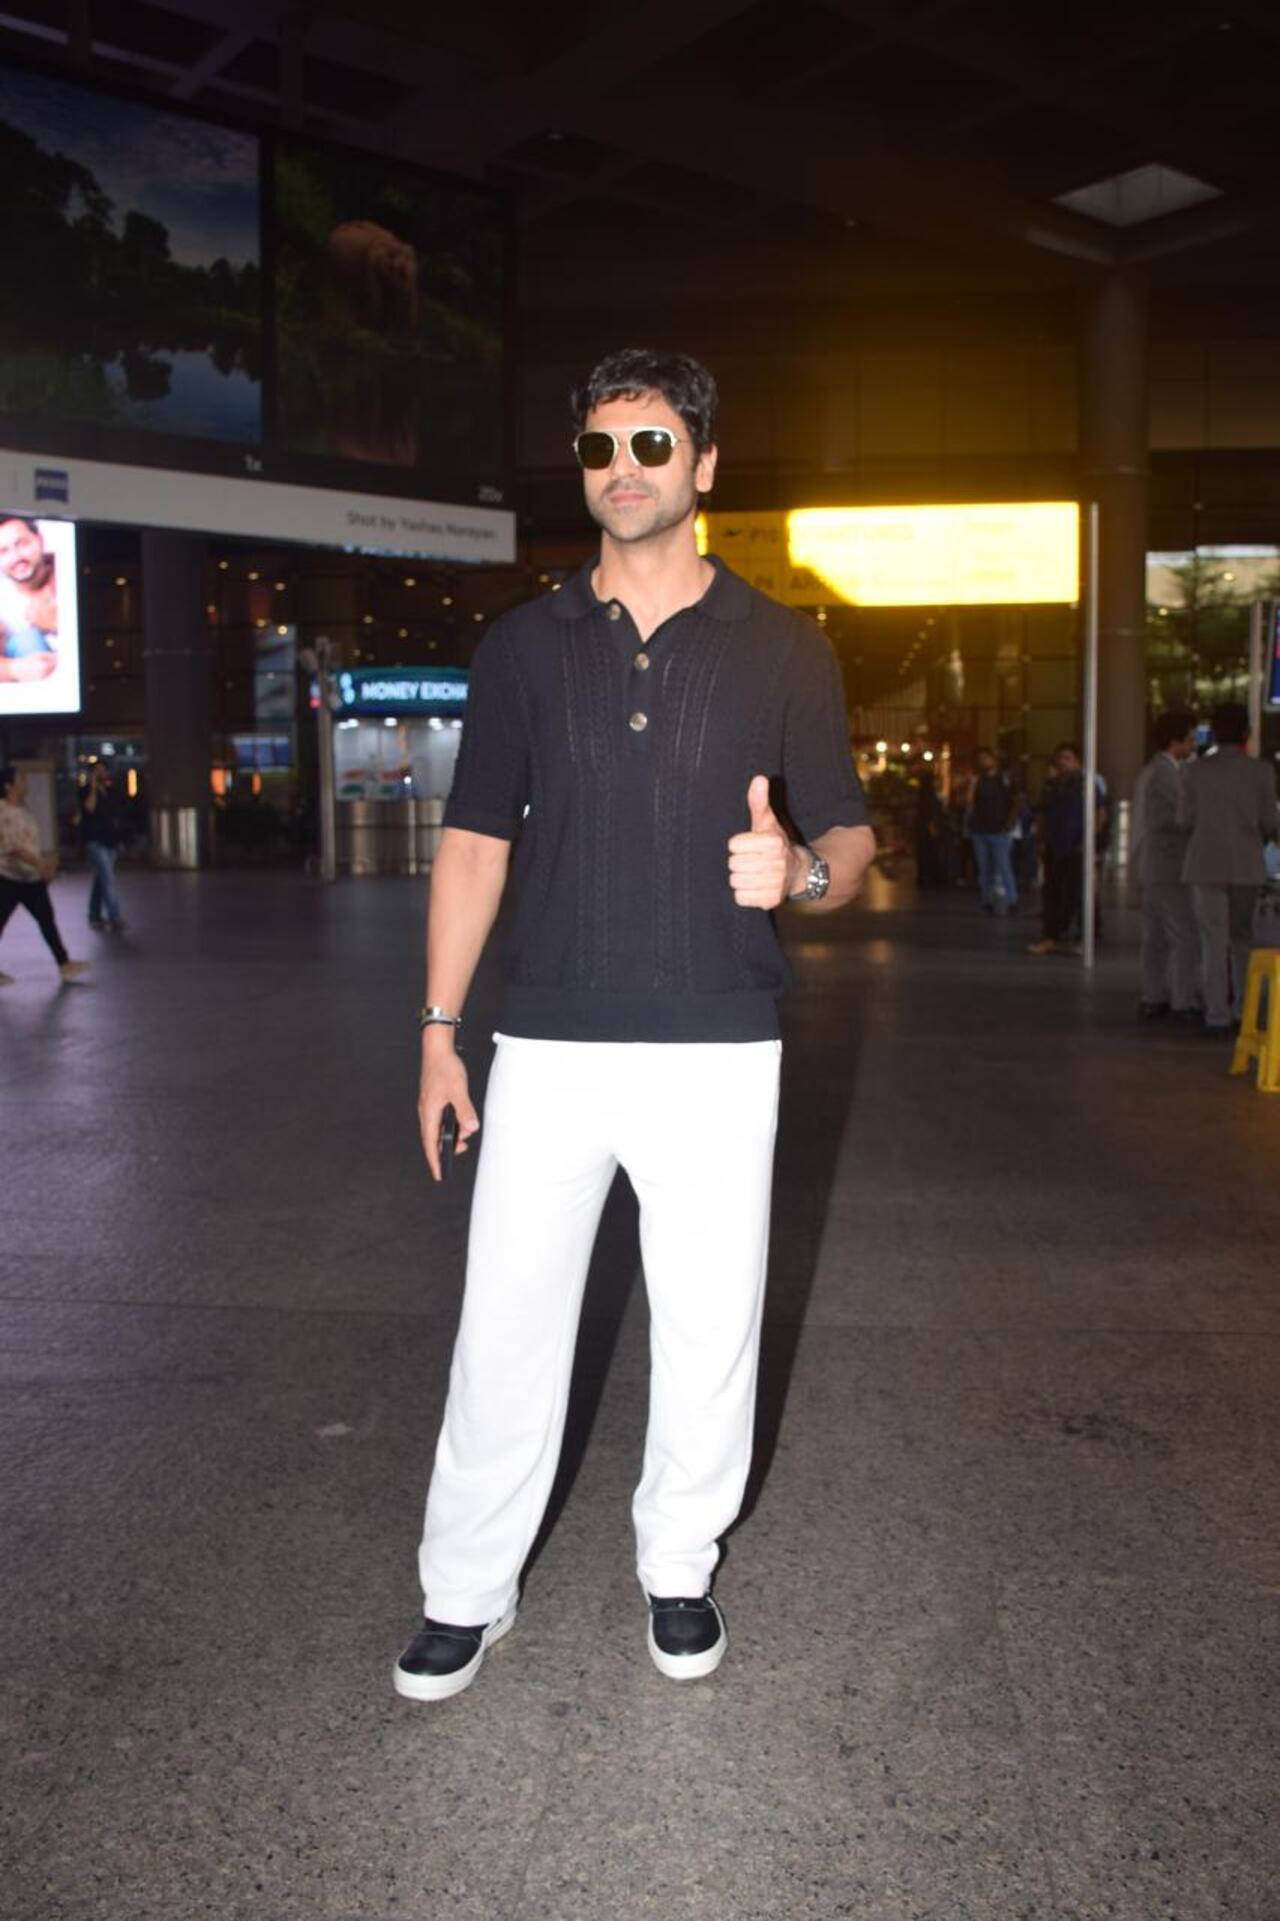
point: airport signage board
(981, 554)
(94, 490)
(406, 692)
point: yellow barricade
(1255, 1042)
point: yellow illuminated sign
(980, 555)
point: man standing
(1170, 937)
(1062, 840)
(628, 729)
(100, 838)
(993, 808)
(1228, 802)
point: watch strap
(439, 1017)
(817, 880)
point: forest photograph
(130, 292)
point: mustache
(628, 487)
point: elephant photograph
(389, 296)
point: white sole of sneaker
(690, 1667)
(440, 1687)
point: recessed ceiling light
(1144, 193)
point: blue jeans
(103, 901)
(993, 857)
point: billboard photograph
(317, 330)
(131, 296)
(39, 628)
(388, 286)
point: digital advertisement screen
(181, 294)
(388, 316)
(137, 302)
(39, 629)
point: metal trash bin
(179, 836)
(388, 836)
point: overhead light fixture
(1143, 193)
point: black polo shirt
(623, 767)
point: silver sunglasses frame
(627, 433)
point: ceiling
(884, 163)
(766, 177)
(835, 143)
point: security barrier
(1254, 1041)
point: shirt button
(641, 662)
(638, 723)
(613, 610)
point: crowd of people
(1201, 825)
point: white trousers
(693, 1125)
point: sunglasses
(648, 446)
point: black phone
(448, 1141)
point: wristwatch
(817, 881)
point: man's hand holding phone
(443, 1085)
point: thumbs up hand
(761, 860)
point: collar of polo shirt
(727, 598)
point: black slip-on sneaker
(687, 1636)
(443, 1659)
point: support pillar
(176, 675)
(1114, 472)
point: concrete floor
(1004, 1601)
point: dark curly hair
(1175, 724)
(683, 383)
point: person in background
(1061, 818)
(959, 848)
(1023, 849)
(993, 809)
(1170, 937)
(25, 873)
(931, 833)
(1228, 803)
(100, 838)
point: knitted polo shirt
(622, 768)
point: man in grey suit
(1229, 803)
(1170, 937)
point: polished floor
(1003, 1603)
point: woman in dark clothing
(25, 873)
(931, 834)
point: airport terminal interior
(1002, 1602)
(291, 310)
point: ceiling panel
(1041, 151)
(766, 49)
(1063, 36)
(1213, 74)
(912, 97)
